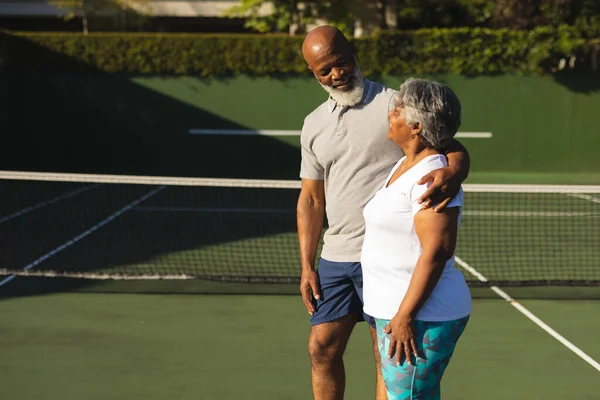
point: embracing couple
(385, 168)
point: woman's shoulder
(431, 163)
(425, 166)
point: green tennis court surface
(99, 346)
(127, 339)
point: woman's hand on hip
(402, 339)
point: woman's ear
(416, 129)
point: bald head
(325, 41)
(330, 58)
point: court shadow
(579, 81)
(88, 121)
(94, 122)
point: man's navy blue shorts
(341, 292)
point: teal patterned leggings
(435, 344)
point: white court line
(584, 197)
(46, 203)
(86, 233)
(530, 315)
(531, 214)
(473, 135)
(277, 132)
(207, 210)
(244, 132)
(287, 211)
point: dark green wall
(538, 123)
(122, 124)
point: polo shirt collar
(366, 97)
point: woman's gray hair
(434, 106)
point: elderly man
(345, 157)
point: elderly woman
(420, 302)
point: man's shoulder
(378, 91)
(314, 120)
(318, 112)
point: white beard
(351, 97)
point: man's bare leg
(326, 346)
(380, 390)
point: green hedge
(476, 50)
(455, 50)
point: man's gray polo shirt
(347, 147)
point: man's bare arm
(458, 160)
(445, 182)
(310, 214)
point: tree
(90, 7)
(294, 15)
(588, 18)
(414, 14)
(269, 16)
(512, 14)
(519, 14)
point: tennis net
(128, 227)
